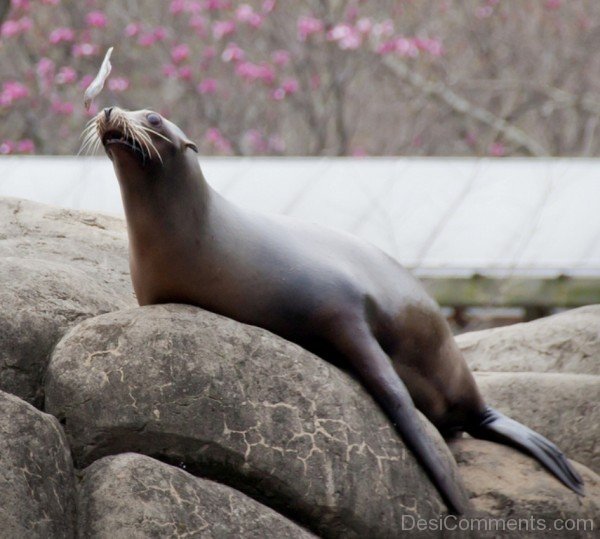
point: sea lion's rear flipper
(497, 427)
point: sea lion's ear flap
(189, 144)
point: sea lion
(331, 293)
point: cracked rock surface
(238, 404)
(508, 485)
(132, 496)
(37, 481)
(57, 267)
(40, 300)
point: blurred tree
(312, 77)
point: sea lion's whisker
(149, 130)
(90, 139)
(88, 129)
(144, 136)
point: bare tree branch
(462, 106)
(4, 7)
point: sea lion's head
(141, 139)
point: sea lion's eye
(154, 119)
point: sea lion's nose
(107, 112)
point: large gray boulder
(91, 242)
(516, 497)
(131, 496)
(57, 267)
(238, 404)
(37, 481)
(563, 407)
(568, 342)
(40, 300)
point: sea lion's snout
(121, 129)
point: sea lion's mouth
(113, 136)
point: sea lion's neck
(170, 201)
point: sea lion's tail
(497, 427)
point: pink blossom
(255, 141)
(185, 73)
(290, 86)
(177, 7)
(169, 71)
(160, 33)
(207, 87)
(132, 29)
(246, 14)
(10, 29)
(553, 4)
(251, 72)
(233, 53)
(483, 12)
(84, 49)
(25, 145)
(179, 53)
(85, 81)
(347, 36)
(51, 2)
(401, 45)
(146, 40)
(268, 6)
(193, 6)
(118, 84)
(13, 91)
(216, 5)
(199, 23)
(223, 29)
(307, 26)
(45, 68)
(6, 147)
(383, 28)
(432, 46)
(20, 4)
(65, 108)
(96, 19)
(93, 110)
(276, 144)
(61, 34)
(278, 94)
(209, 53)
(497, 149)
(66, 75)
(26, 24)
(217, 140)
(281, 57)
(470, 138)
(364, 25)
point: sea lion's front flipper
(375, 370)
(497, 427)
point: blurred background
(312, 77)
(444, 131)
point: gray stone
(238, 404)
(37, 482)
(515, 496)
(568, 342)
(40, 300)
(563, 407)
(91, 242)
(132, 496)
